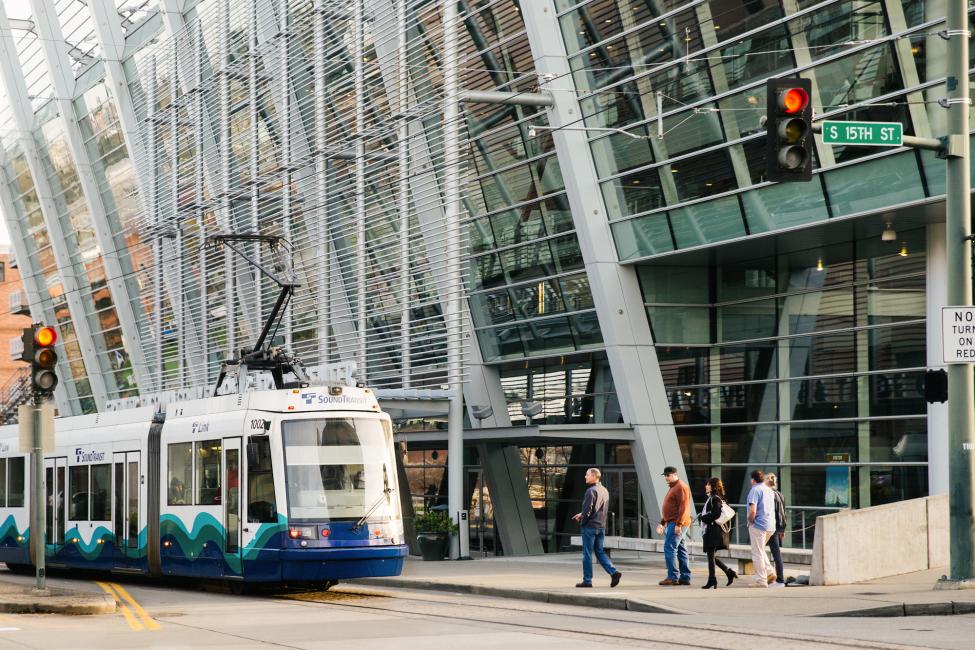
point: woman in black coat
(715, 537)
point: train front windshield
(339, 468)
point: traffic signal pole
(37, 532)
(958, 229)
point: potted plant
(433, 531)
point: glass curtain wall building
(636, 294)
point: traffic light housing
(936, 386)
(43, 358)
(788, 128)
(27, 343)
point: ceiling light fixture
(819, 264)
(889, 233)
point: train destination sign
(958, 334)
(864, 134)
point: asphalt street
(200, 615)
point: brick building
(14, 315)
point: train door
(126, 508)
(230, 466)
(54, 478)
(261, 511)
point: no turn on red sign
(958, 334)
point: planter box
(433, 546)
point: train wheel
(238, 587)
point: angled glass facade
(635, 292)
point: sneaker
(667, 582)
(615, 579)
(584, 585)
(777, 585)
(759, 585)
(684, 581)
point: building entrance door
(626, 517)
(481, 516)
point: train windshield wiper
(384, 496)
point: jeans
(759, 538)
(592, 539)
(675, 550)
(775, 545)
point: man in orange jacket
(675, 523)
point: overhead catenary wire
(378, 136)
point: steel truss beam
(73, 276)
(117, 262)
(615, 291)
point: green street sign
(863, 134)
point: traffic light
(788, 125)
(44, 360)
(935, 386)
(27, 341)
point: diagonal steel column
(41, 308)
(615, 291)
(73, 276)
(483, 384)
(117, 263)
(111, 39)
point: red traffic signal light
(788, 130)
(793, 100)
(45, 336)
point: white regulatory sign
(958, 334)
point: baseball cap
(669, 470)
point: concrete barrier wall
(857, 545)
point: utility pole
(958, 230)
(37, 498)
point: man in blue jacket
(592, 520)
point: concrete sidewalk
(552, 579)
(16, 599)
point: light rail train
(280, 486)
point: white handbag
(727, 514)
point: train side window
(261, 504)
(3, 481)
(78, 489)
(101, 488)
(180, 477)
(208, 472)
(15, 482)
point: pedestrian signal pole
(39, 351)
(37, 498)
(958, 229)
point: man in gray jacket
(592, 520)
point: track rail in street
(573, 621)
